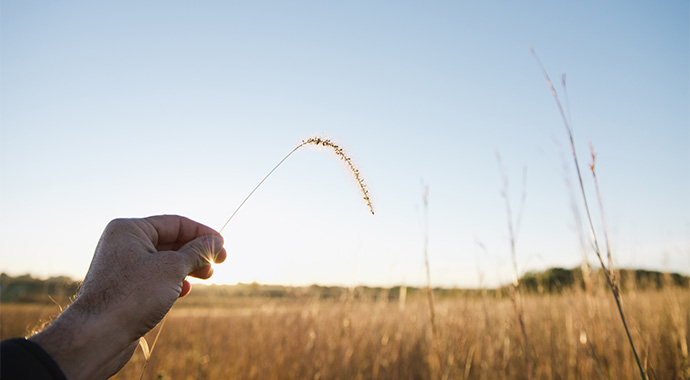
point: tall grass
(435, 362)
(309, 338)
(372, 339)
(514, 290)
(608, 270)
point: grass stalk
(318, 142)
(145, 348)
(435, 359)
(608, 271)
(514, 291)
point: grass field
(571, 336)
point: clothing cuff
(23, 359)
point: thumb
(202, 251)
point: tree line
(61, 289)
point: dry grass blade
(514, 292)
(607, 241)
(143, 344)
(435, 363)
(318, 142)
(615, 290)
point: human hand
(137, 273)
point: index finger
(174, 231)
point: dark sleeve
(24, 359)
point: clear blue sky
(129, 109)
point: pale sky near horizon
(130, 109)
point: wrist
(85, 346)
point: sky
(131, 109)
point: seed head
(340, 153)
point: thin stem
(257, 186)
(601, 209)
(316, 141)
(153, 346)
(612, 285)
(515, 297)
(436, 362)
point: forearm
(85, 346)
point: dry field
(571, 336)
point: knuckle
(118, 224)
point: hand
(137, 273)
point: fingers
(186, 288)
(203, 273)
(197, 254)
(175, 231)
(194, 244)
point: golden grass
(572, 337)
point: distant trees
(556, 280)
(25, 289)
(28, 289)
